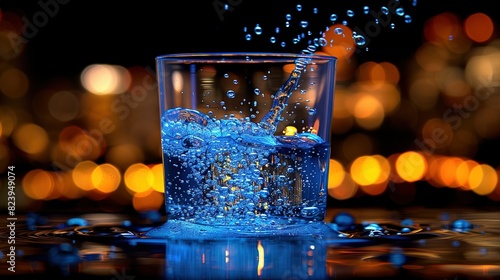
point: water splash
(373, 16)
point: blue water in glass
(234, 172)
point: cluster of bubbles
(334, 18)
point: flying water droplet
(359, 40)
(400, 11)
(333, 18)
(230, 93)
(407, 18)
(323, 42)
(257, 30)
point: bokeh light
(13, 83)
(31, 138)
(483, 179)
(63, 105)
(147, 200)
(479, 27)
(106, 178)
(82, 175)
(139, 178)
(411, 166)
(38, 184)
(105, 79)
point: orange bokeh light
(148, 200)
(442, 27)
(479, 27)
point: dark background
(133, 33)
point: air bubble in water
(256, 91)
(235, 81)
(248, 37)
(299, 7)
(393, 25)
(273, 40)
(315, 10)
(304, 24)
(277, 30)
(226, 75)
(288, 16)
(333, 17)
(350, 13)
(338, 30)
(283, 44)
(407, 18)
(192, 142)
(366, 10)
(385, 10)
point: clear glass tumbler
(246, 143)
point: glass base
(175, 229)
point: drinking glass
(245, 139)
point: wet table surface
(369, 243)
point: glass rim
(238, 56)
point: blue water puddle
(104, 245)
